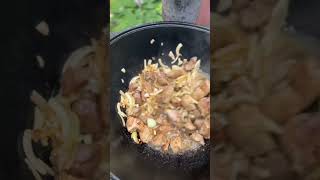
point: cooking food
(168, 107)
(267, 88)
(72, 123)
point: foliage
(126, 13)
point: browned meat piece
(134, 124)
(87, 160)
(188, 102)
(303, 89)
(301, 140)
(162, 119)
(147, 87)
(247, 130)
(165, 128)
(256, 14)
(159, 140)
(165, 147)
(175, 73)
(188, 125)
(197, 137)
(143, 117)
(283, 104)
(133, 86)
(146, 134)
(205, 129)
(204, 106)
(176, 101)
(162, 79)
(137, 97)
(73, 79)
(173, 115)
(205, 86)
(202, 90)
(305, 79)
(149, 76)
(190, 64)
(199, 122)
(176, 144)
(87, 110)
(166, 94)
(195, 114)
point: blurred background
(128, 13)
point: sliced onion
(38, 119)
(35, 162)
(34, 172)
(77, 56)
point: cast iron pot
(128, 50)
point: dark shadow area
(71, 23)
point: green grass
(125, 13)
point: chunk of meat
(147, 88)
(202, 90)
(143, 117)
(88, 112)
(146, 134)
(188, 102)
(165, 128)
(134, 124)
(176, 144)
(137, 97)
(195, 114)
(165, 147)
(189, 125)
(176, 101)
(204, 106)
(305, 79)
(175, 73)
(190, 64)
(133, 86)
(199, 122)
(149, 76)
(159, 140)
(205, 129)
(197, 137)
(73, 79)
(173, 115)
(301, 92)
(301, 140)
(162, 119)
(248, 131)
(162, 79)
(87, 160)
(166, 94)
(283, 104)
